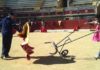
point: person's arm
(0, 23)
(0, 26)
(15, 25)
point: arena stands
(50, 11)
(2, 7)
(2, 3)
(50, 3)
(82, 2)
(48, 7)
(16, 4)
(80, 9)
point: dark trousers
(6, 44)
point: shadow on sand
(48, 60)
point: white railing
(50, 3)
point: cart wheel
(64, 53)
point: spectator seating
(16, 4)
(50, 3)
(2, 3)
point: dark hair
(11, 14)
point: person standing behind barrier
(43, 26)
(7, 24)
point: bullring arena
(52, 20)
(83, 49)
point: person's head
(12, 16)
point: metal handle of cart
(65, 40)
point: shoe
(28, 57)
(5, 57)
(97, 56)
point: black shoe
(5, 57)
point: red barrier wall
(68, 24)
(65, 24)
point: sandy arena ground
(83, 49)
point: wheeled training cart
(66, 40)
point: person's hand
(13, 31)
(20, 34)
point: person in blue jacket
(7, 24)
